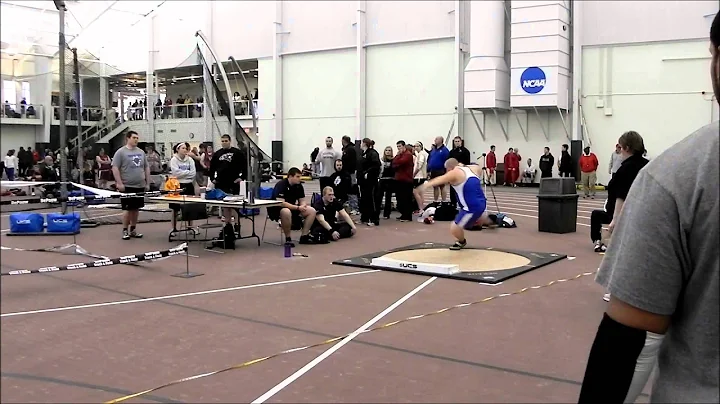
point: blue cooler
(59, 223)
(23, 222)
(266, 192)
(250, 212)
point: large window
(26, 91)
(9, 92)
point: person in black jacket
(341, 183)
(566, 163)
(460, 153)
(227, 168)
(368, 175)
(349, 164)
(547, 161)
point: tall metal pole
(78, 97)
(63, 130)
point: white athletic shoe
(606, 297)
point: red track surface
(526, 348)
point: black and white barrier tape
(81, 198)
(128, 259)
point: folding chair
(313, 198)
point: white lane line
(204, 292)
(339, 345)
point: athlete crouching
(471, 200)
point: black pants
(386, 188)
(369, 210)
(342, 228)
(546, 174)
(403, 195)
(597, 219)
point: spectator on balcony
(158, 109)
(180, 106)
(190, 109)
(167, 108)
(23, 106)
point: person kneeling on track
(326, 226)
(295, 213)
(465, 180)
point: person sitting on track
(328, 211)
(295, 213)
(471, 200)
(227, 167)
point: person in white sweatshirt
(326, 158)
(182, 167)
(615, 160)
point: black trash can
(557, 205)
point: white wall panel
(532, 126)
(396, 21)
(266, 104)
(621, 22)
(243, 29)
(637, 88)
(411, 91)
(318, 25)
(17, 136)
(318, 100)
(174, 32)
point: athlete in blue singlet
(470, 196)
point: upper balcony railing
(182, 111)
(88, 114)
(33, 112)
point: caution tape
(85, 198)
(339, 338)
(128, 259)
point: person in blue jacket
(437, 156)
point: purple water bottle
(288, 250)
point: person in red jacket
(403, 164)
(512, 167)
(588, 172)
(491, 165)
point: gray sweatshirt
(326, 158)
(182, 169)
(615, 161)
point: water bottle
(288, 250)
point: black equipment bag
(444, 211)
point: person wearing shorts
(294, 213)
(467, 184)
(132, 175)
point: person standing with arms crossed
(132, 175)
(662, 271)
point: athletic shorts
(133, 203)
(436, 173)
(467, 219)
(296, 217)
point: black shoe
(135, 234)
(289, 242)
(459, 245)
(307, 239)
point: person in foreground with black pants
(295, 213)
(632, 147)
(227, 167)
(368, 180)
(326, 226)
(662, 271)
(403, 164)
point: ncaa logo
(532, 80)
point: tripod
(486, 174)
